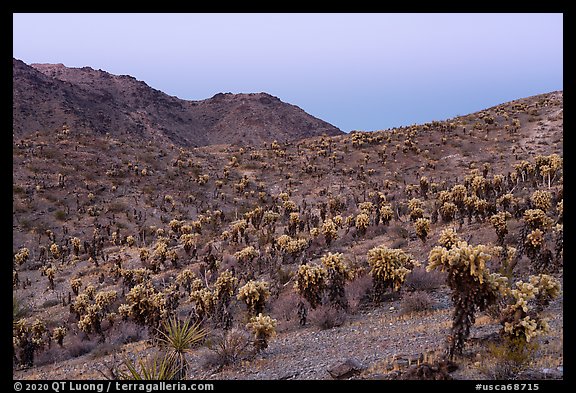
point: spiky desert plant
(329, 231)
(473, 286)
(185, 279)
(246, 256)
(22, 256)
(361, 223)
(55, 251)
(263, 327)
(204, 302)
(144, 305)
(76, 284)
(157, 368)
(254, 294)
(386, 213)
(389, 268)
(337, 273)
(448, 211)
(415, 208)
(422, 227)
(179, 337)
(29, 338)
(498, 221)
(310, 283)
(50, 273)
(223, 291)
(75, 245)
(522, 319)
(58, 334)
(537, 219)
(541, 200)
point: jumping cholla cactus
(521, 319)
(246, 255)
(55, 250)
(204, 302)
(329, 231)
(130, 241)
(362, 222)
(22, 256)
(448, 211)
(75, 245)
(185, 279)
(389, 268)
(541, 200)
(537, 219)
(310, 283)
(93, 314)
(76, 284)
(472, 284)
(145, 305)
(254, 294)
(58, 334)
(415, 207)
(29, 338)
(422, 227)
(337, 273)
(263, 327)
(498, 221)
(386, 213)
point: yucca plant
(179, 337)
(155, 369)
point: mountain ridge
(46, 96)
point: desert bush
(498, 221)
(415, 302)
(421, 280)
(541, 200)
(229, 347)
(329, 231)
(159, 367)
(327, 316)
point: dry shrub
(285, 307)
(327, 316)
(228, 348)
(415, 302)
(358, 292)
(421, 280)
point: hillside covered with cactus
(431, 251)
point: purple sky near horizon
(356, 71)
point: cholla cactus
(498, 221)
(263, 327)
(448, 211)
(422, 227)
(29, 338)
(75, 245)
(185, 279)
(130, 241)
(337, 273)
(76, 284)
(386, 213)
(247, 255)
(362, 221)
(521, 319)
(389, 268)
(204, 302)
(50, 272)
(472, 284)
(145, 305)
(537, 219)
(55, 250)
(541, 200)
(310, 284)
(58, 334)
(22, 256)
(415, 207)
(329, 231)
(254, 294)
(225, 285)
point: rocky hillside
(46, 96)
(113, 235)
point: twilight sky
(356, 71)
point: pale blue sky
(356, 71)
